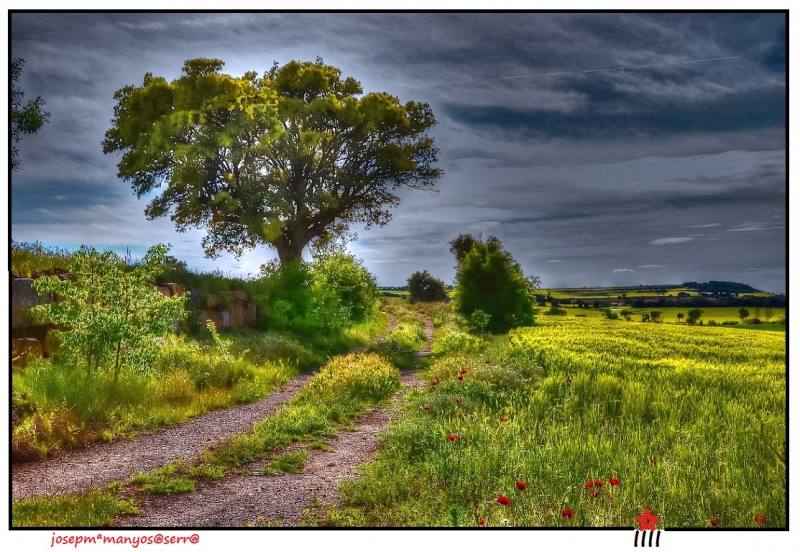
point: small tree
(27, 119)
(679, 316)
(488, 278)
(425, 288)
(113, 314)
(645, 317)
(694, 316)
(743, 313)
(655, 316)
(479, 320)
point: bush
(423, 287)
(488, 278)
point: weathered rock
(195, 297)
(175, 290)
(250, 315)
(225, 319)
(237, 315)
(213, 315)
(237, 296)
(165, 291)
(23, 298)
(211, 301)
(25, 348)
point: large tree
(285, 158)
(25, 119)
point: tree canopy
(424, 287)
(489, 279)
(296, 154)
(27, 119)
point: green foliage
(33, 259)
(480, 320)
(693, 316)
(113, 314)
(488, 278)
(27, 119)
(610, 314)
(94, 509)
(269, 159)
(343, 282)
(291, 462)
(168, 479)
(424, 287)
(743, 313)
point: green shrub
(423, 287)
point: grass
(30, 259)
(688, 421)
(94, 509)
(290, 462)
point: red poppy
(598, 483)
(458, 399)
(503, 418)
(654, 461)
(593, 494)
(714, 522)
(566, 512)
(521, 485)
(487, 361)
(569, 379)
(614, 481)
(505, 501)
(464, 371)
(663, 452)
(481, 522)
(435, 382)
(427, 407)
(452, 437)
(466, 415)
(761, 520)
(589, 484)
(460, 378)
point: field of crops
(587, 422)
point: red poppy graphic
(714, 522)
(435, 382)
(761, 520)
(566, 512)
(663, 452)
(569, 380)
(589, 484)
(614, 481)
(521, 485)
(460, 378)
(654, 461)
(452, 437)
(487, 361)
(504, 500)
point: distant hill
(722, 287)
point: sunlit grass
(94, 509)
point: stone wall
(30, 338)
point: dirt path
(257, 499)
(96, 466)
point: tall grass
(94, 509)
(29, 259)
(689, 422)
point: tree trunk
(289, 249)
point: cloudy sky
(603, 149)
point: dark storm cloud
(566, 167)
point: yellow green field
(686, 421)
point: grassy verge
(94, 509)
(686, 421)
(57, 406)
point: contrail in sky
(591, 71)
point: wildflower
(435, 382)
(654, 461)
(714, 522)
(598, 483)
(589, 484)
(427, 407)
(614, 481)
(481, 522)
(569, 380)
(663, 452)
(452, 437)
(460, 378)
(566, 512)
(487, 361)
(464, 371)
(503, 418)
(593, 494)
(761, 520)
(504, 500)
(521, 485)
(458, 399)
